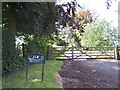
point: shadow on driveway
(90, 73)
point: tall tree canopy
(31, 18)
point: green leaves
(32, 18)
(11, 57)
(98, 34)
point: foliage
(75, 38)
(82, 18)
(40, 20)
(40, 17)
(68, 16)
(62, 37)
(17, 79)
(32, 18)
(11, 57)
(64, 16)
(98, 34)
(38, 45)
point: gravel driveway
(90, 74)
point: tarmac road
(90, 73)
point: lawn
(17, 79)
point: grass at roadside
(17, 80)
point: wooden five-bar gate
(72, 53)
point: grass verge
(18, 80)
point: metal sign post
(35, 59)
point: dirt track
(90, 74)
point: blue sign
(35, 59)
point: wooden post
(23, 49)
(117, 55)
(118, 51)
(49, 52)
(42, 72)
(26, 69)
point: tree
(99, 33)
(35, 17)
(69, 16)
(82, 19)
(25, 19)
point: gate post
(49, 52)
(117, 55)
(23, 50)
